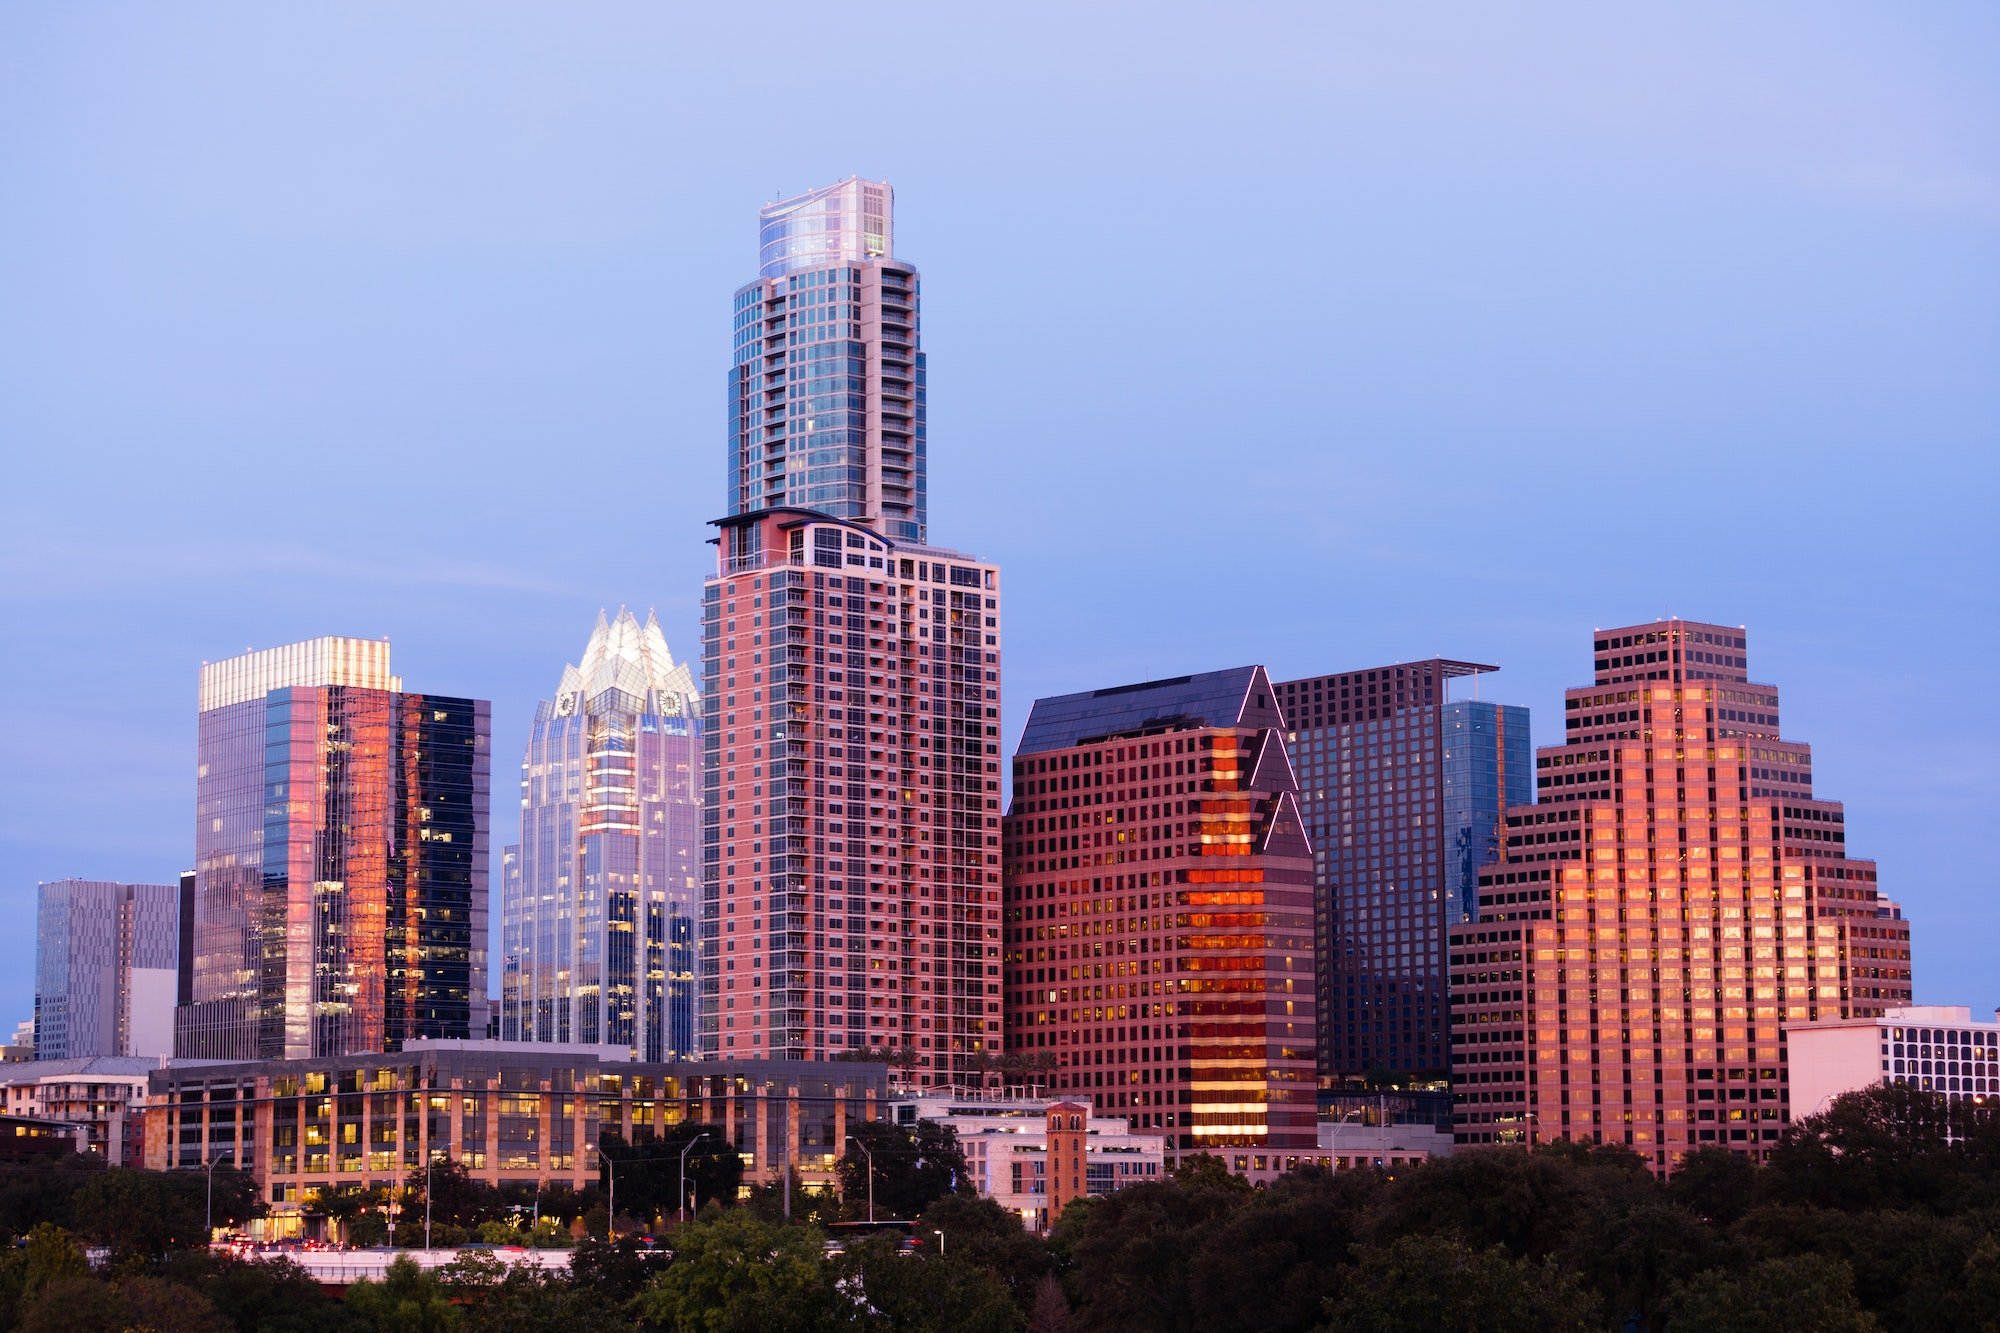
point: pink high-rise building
(1674, 900)
(852, 768)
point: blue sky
(1314, 335)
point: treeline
(1883, 1213)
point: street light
(682, 1191)
(210, 1169)
(429, 1160)
(940, 1236)
(611, 1196)
(871, 1175)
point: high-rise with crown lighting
(601, 900)
(340, 858)
(851, 809)
(1673, 900)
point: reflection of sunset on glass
(1125, 845)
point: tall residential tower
(340, 858)
(601, 899)
(1673, 900)
(826, 391)
(851, 810)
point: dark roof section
(1211, 699)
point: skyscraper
(104, 969)
(1159, 892)
(602, 898)
(851, 811)
(826, 391)
(1402, 789)
(340, 858)
(1673, 899)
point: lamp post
(865, 1152)
(610, 1196)
(682, 1191)
(940, 1236)
(428, 1160)
(213, 1162)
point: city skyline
(1483, 298)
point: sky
(1317, 335)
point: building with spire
(340, 858)
(601, 898)
(851, 814)
(1673, 900)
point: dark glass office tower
(1403, 791)
(340, 858)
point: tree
(991, 1238)
(406, 1300)
(1805, 1294)
(457, 1199)
(939, 1294)
(649, 1181)
(1271, 1263)
(1526, 1201)
(1633, 1252)
(620, 1270)
(1886, 1146)
(735, 1274)
(268, 1295)
(86, 1305)
(143, 1214)
(1128, 1257)
(1439, 1282)
(1714, 1184)
(41, 1191)
(911, 1170)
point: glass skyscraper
(826, 390)
(340, 858)
(602, 898)
(1403, 791)
(105, 958)
(851, 816)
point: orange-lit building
(1672, 901)
(1158, 891)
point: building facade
(1159, 913)
(1935, 1047)
(851, 807)
(103, 1095)
(1031, 1155)
(340, 858)
(826, 385)
(105, 966)
(601, 900)
(508, 1113)
(1403, 789)
(1674, 899)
